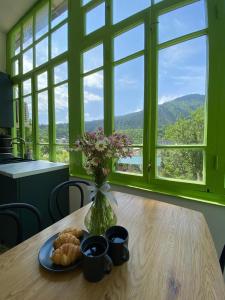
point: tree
(183, 163)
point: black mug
(117, 237)
(96, 262)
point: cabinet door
(6, 101)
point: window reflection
(41, 25)
(28, 61)
(41, 52)
(93, 101)
(60, 73)
(59, 11)
(59, 41)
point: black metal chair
(55, 210)
(12, 210)
(222, 259)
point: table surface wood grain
(172, 256)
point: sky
(181, 68)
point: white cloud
(61, 97)
(43, 102)
(87, 117)
(42, 80)
(94, 81)
(167, 98)
(127, 81)
(179, 55)
(28, 61)
(138, 109)
(61, 72)
(91, 97)
(42, 52)
(93, 58)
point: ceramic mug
(117, 237)
(96, 263)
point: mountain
(168, 113)
(171, 111)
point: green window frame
(212, 188)
(45, 66)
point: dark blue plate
(46, 252)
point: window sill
(204, 197)
(192, 195)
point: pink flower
(99, 149)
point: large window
(129, 95)
(38, 58)
(60, 91)
(182, 103)
(93, 91)
(148, 68)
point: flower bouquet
(99, 149)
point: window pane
(43, 116)
(93, 58)
(44, 152)
(27, 87)
(84, 2)
(42, 81)
(129, 42)
(41, 22)
(28, 61)
(28, 33)
(16, 42)
(131, 165)
(28, 118)
(124, 9)
(184, 164)
(129, 99)
(62, 154)
(59, 41)
(182, 21)
(95, 18)
(93, 101)
(41, 52)
(59, 11)
(61, 113)
(15, 91)
(61, 73)
(15, 67)
(181, 93)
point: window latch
(149, 167)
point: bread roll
(66, 254)
(74, 231)
(65, 238)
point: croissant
(66, 254)
(65, 238)
(74, 231)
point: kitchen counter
(24, 169)
(30, 182)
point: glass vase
(102, 213)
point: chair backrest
(11, 210)
(55, 210)
(222, 259)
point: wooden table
(172, 257)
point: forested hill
(169, 112)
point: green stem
(101, 215)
